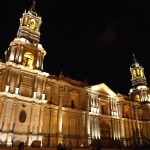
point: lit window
(137, 97)
(28, 60)
(25, 21)
(138, 72)
(32, 24)
(141, 73)
(134, 73)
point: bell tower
(25, 49)
(139, 90)
(23, 84)
(137, 73)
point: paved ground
(16, 148)
(1, 148)
(10, 148)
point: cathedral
(38, 106)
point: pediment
(103, 88)
(74, 92)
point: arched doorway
(105, 134)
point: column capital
(135, 108)
(87, 96)
(119, 103)
(61, 93)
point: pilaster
(61, 96)
(41, 119)
(87, 117)
(122, 132)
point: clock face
(32, 24)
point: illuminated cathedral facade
(38, 106)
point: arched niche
(28, 59)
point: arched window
(22, 116)
(141, 71)
(32, 24)
(138, 72)
(25, 21)
(137, 97)
(72, 104)
(28, 60)
(134, 73)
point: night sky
(86, 40)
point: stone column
(43, 85)
(136, 116)
(130, 128)
(37, 61)
(87, 115)
(122, 135)
(40, 59)
(41, 119)
(31, 117)
(18, 80)
(3, 113)
(145, 133)
(41, 123)
(61, 96)
(117, 131)
(12, 121)
(12, 124)
(119, 134)
(87, 119)
(94, 125)
(35, 85)
(98, 127)
(20, 55)
(137, 123)
(113, 128)
(31, 124)
(12, 54)
(8, 78)
(66, 95)
(132, 119)
(17, 53)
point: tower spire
(61, 76)
(135, 62)
(33, 8)
(134, 59)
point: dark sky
(87, 40)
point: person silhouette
(59, 146)
(70, 146)
(21, 146)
